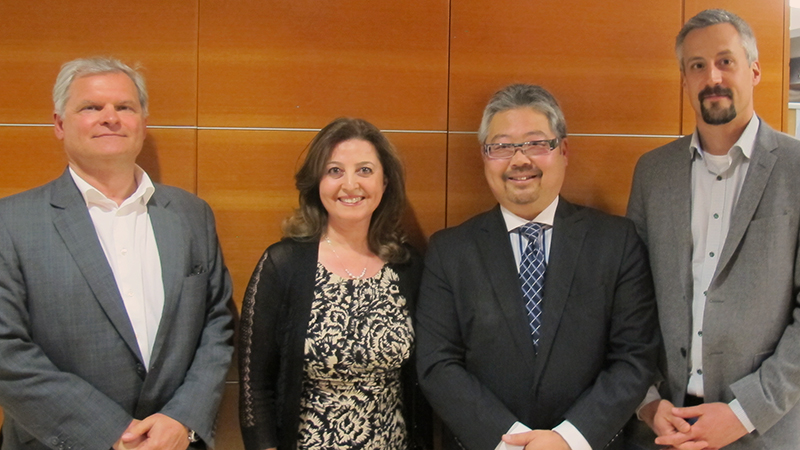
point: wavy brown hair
(385, 236)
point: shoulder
(675, 149)
(26, 199)
(598, 221)
(290, 253)
(179, 198)
(469, 229)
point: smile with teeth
(351, 200)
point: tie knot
(531, 230)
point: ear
(756, 68)
(58, 126)
(564, 150)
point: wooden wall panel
(29, 157)
(766, 17)
(37, 37)
(610, 65)
(599, 173)
(302, 63)
(248, 178)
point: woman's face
(352, 184)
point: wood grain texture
(766, 18)
(37, 37)
(610, 67)
(302, 63)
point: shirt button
(124, 251)
(719, 177)
(705, 293)
(699, 371)
(711, 254)
(716, 216)
(700, 333)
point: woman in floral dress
(326, 330)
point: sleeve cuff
(737, 409)
(651, 396)
(574, 438)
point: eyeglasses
(531, 148)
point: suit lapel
(498, 260)
(676, 184)
(763, 160)
(569, 231)
(74, 224)
(174, 244)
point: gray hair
(98, 65)
(715, 17)
(523, 96)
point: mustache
(714, 91)
(524, 170)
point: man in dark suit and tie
(719, 211)
(538, 314)
(115, 329)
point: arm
(196, 401)
(259, 357)
(33, 391)
(632, 351)
(470, 410)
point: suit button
(683, 352)
(140, 370)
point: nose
(519, 158)
(110, 115)
(350, 181)
(714, 75)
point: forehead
(354, 149)
(116, 85)
(519, 122)
(712, 40)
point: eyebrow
(536, 133)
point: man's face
(102, 122)
(717, 77)
(524, 185)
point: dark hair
(385, 236)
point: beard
(715, 114)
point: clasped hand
(156, 432)
(714, 425)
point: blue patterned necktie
(531, 275)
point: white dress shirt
(518, 243)
(126, 235)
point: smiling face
(102, 122)
(353, 183)
(524, 185)
(717, 76)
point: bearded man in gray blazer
(550, 338)
(720, 213)
(115, 329)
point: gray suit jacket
(751, 329)
(599, 336)
(71, 374)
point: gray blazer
(751, 329)
(71, 374)
(599, 337)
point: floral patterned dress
(359, 335)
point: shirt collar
(93, 197)
(545, 217)
(745, 143)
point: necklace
(363, 272)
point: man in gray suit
(115, 329)
(720, 213)
(538, 314)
